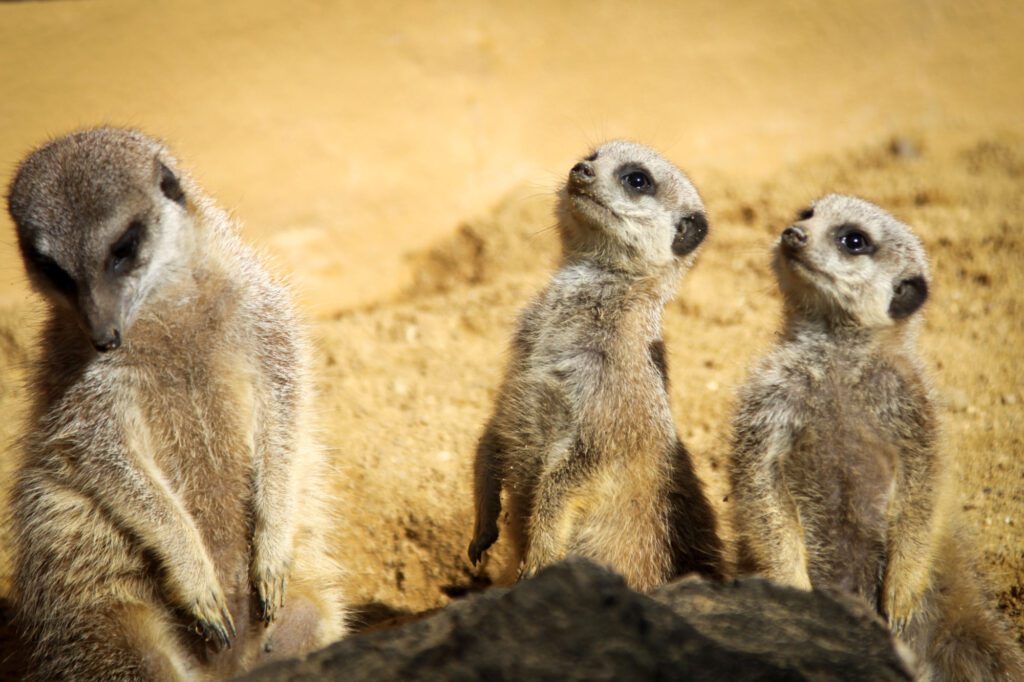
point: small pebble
(904, 148)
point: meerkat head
(847, 261)
(101, 217)
(626, 206)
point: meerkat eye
(805, 214)
(638, 181)
(126, 248)
(854, 241)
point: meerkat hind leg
(129, 641)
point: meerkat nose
(794, 237)
(582, 172)
(109, 341)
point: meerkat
(837, 475)
(168, 495)
(582, 438)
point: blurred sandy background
(397, 161)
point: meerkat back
(168, 491)
(582, 439)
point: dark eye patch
(805, 214)
(592, 157)
(125, 250)
(854, 240)
(57, 276)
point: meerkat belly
(841, 477)
(203, 423)
(620, 520)
(621, 510)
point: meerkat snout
(108, 340)
(794, 238)
(582, 172)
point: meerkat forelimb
(486, 492)
(169, 475)
(582, 439)
(759, 498)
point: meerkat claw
(898, 625)
(230, 622)
(482, 541)
(476, 551)
(271, 596)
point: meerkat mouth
(799, 266)
(589, 208)
(586, 196)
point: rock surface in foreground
(576, 621)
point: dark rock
(821, 635)
(576, 621)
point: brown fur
(837, 475)
(168, 484)
(582, 439)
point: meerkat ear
(690, 232)
(908, 295)
(169, 184)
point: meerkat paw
(213, 620)
(536, 560)
(527, 572)
(799, 579)
(198, 591)
(270, 580)
(901, 596)
(482, 541)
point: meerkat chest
(601, 346)
(843, 452)
(614, 382)
(199, 401)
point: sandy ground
(398, 163)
